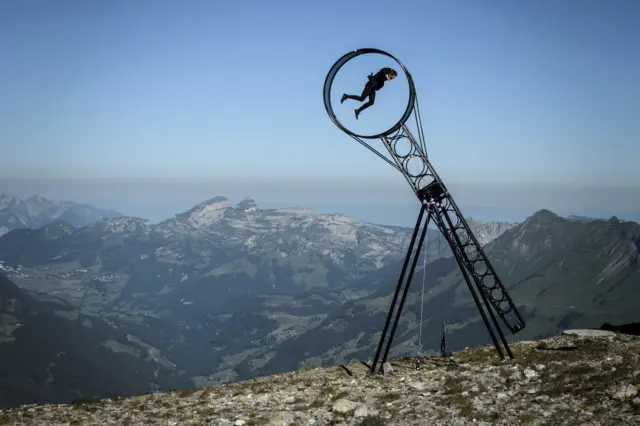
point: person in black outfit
(375, 83)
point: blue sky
(512, 94)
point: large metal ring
(328, 82)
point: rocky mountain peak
(37, 211)
(246, 209)
(205, 213)
(247, 204)
(545, 214)
(543, 218)
(8, 201)
(40, 200)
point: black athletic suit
(375, 83)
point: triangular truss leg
(463, 269)
(402, 284)
(474, 265)
(444, 223)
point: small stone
(501, 395)
(419, 386)
(264, 398)
(344, 406)
(529, 373)
(239, 422)
(322, 415)
(628, 391)
(281, 418)
(387, 369)
(365, 411)
(619, 396)
(220, 422)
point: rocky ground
(565, 380)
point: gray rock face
(344, 406)
(485, 232)
(590, 333)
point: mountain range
(36, 211)
(221, 293)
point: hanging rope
(444, 350)
(424, 277)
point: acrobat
(375, 83)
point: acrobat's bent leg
(367, 91)
(371, 101)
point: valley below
(221, 293)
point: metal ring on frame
(328, 83)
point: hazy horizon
(149, 107)
(391, 202)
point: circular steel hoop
(328, 83)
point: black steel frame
(477, 271)
(439, 217)
(436, 200)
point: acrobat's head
(392, 74)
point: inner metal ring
(328, 83)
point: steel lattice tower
(486, 288)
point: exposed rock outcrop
(595, 383)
